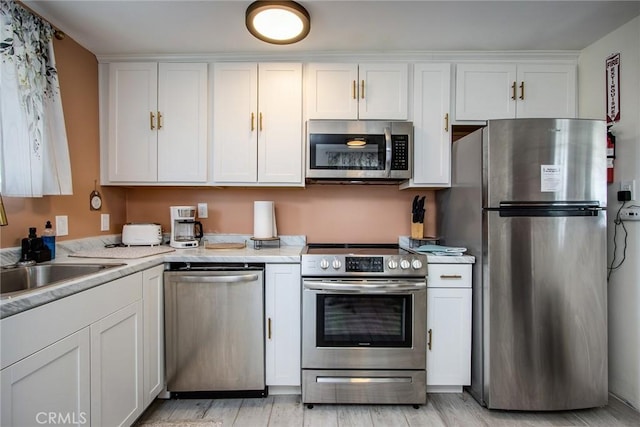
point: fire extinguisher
(611, 155)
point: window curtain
(34, 154)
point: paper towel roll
(264, 220)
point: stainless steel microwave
(359, 150)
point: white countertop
(268, 255)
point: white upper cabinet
(431, 135)
(502, 91)
(352, 91)
(157, 123)
(257, 124)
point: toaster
(141, 234)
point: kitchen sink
(18, 279)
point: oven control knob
(404, 264)
(336, 264)
(324, 264)
(416, 264)
(393, 264)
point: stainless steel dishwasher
(214, 330)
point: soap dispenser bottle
(49, 238)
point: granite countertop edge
(10, 306)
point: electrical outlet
(62, 225)
(203, 210)
(629, 186)
(630, 214)
(104, 222)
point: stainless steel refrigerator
(528, 200)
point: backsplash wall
(324, 213)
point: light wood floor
(441, 410)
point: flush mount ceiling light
(278, 22)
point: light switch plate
(62, 225)
(203, 210)
(104, 222)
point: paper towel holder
(260, 242)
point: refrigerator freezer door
(545, 160)
(545, 312)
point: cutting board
(225, 245)
(123, 252)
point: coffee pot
(185, 230)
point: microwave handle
(387, 139)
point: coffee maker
(185, 230)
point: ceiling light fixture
(278, 22)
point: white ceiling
(165, 27)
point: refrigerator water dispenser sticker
(551, 178)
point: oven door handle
(389, 149)
(365, 287)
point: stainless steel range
(363, 324)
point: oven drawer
(449, 276)
(365, 387)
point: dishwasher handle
(235, 278)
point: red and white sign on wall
(613, 88)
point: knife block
(417, 230)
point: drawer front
(449, 276)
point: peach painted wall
(78, 74)
(324, 213)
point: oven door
(364, 323)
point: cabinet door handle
(522, 90)
(260, 122)
(353, 90)
(269, 327)
(513, 91)
(430, 336)
(151, 118)
(450, 276)
(252, 121)
(362, 89)
(159, 120)
(446, 122)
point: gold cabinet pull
(446, 122)
(430, 336)
(151, 118)
(450, 276)
(513, 91)
(269, 328)
(353, 90)
(260, 122)
(362, 89)
(252, 121)
(159, 120)
(522, 90)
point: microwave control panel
(400, 152)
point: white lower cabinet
(93, 358)
(282, 319)
(153, 333)
(448, 327)
(116, 368)
(50, 386)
